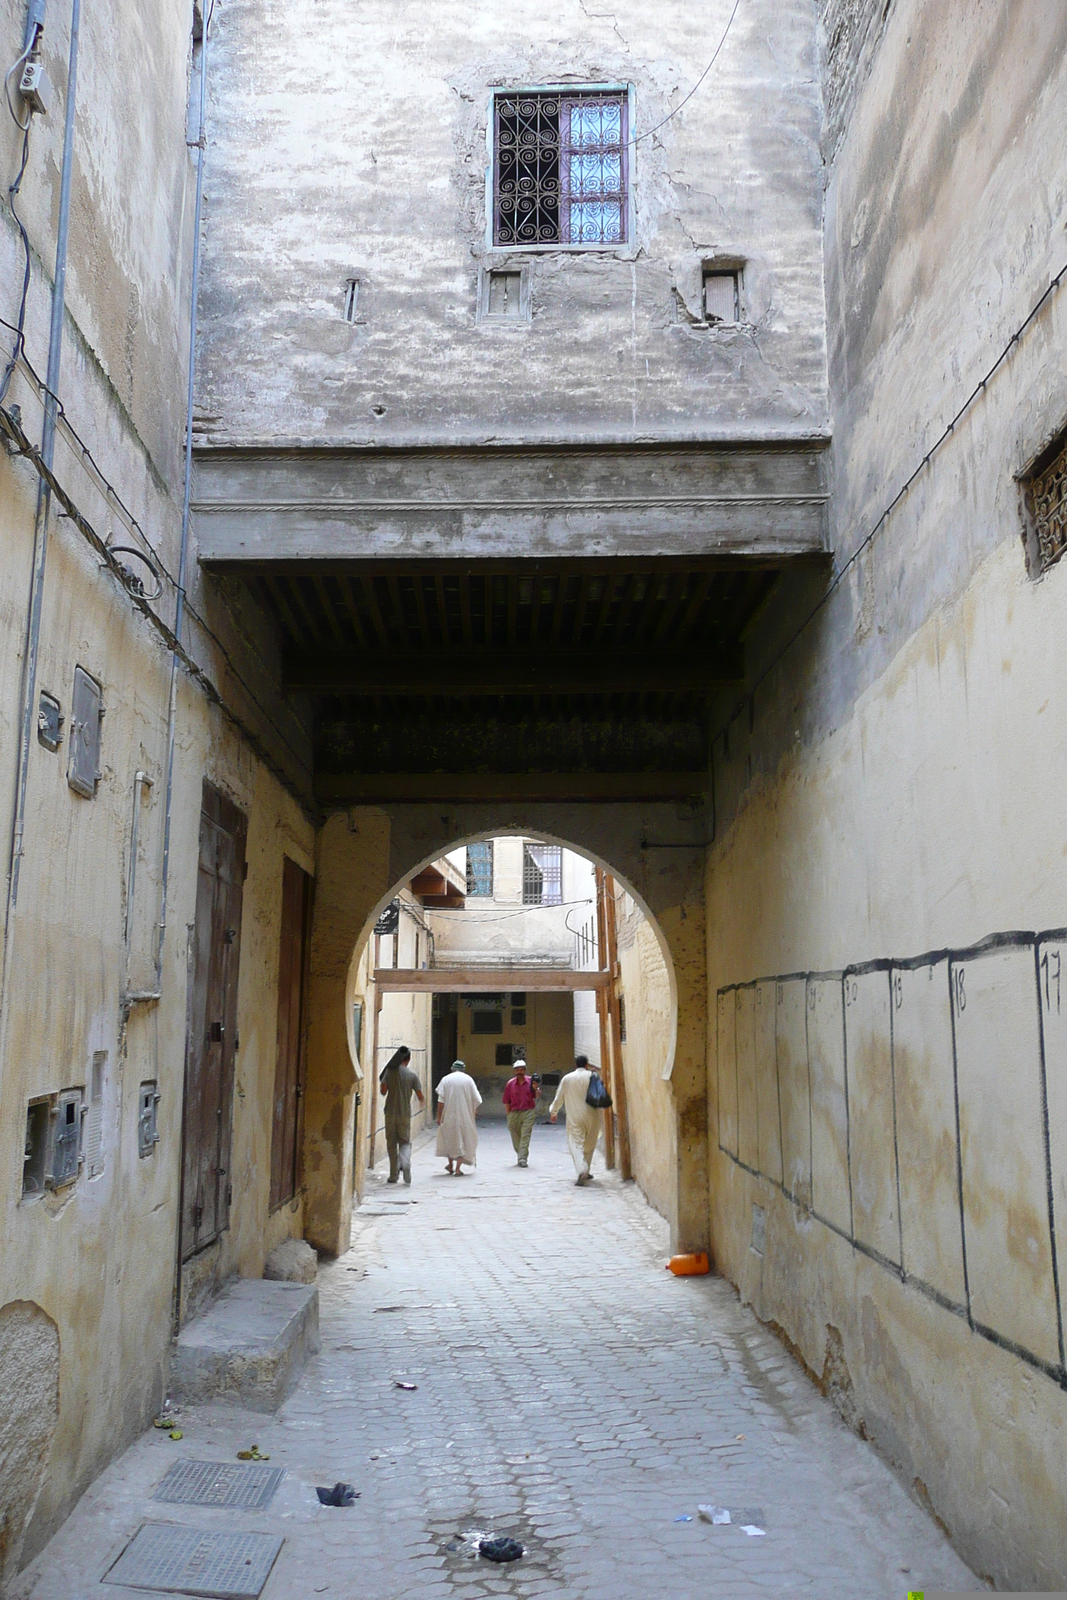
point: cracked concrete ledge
(250, 1347)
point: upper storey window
(560, 169)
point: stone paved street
(570, 1392)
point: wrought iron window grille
(480, 869)
(542, 874)
(1045, 493)
(560, 168)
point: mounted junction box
(52, 1152)
(147, 1119)
(35, 88)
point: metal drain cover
(246, 1485)
(219, 1566)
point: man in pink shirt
(520, 1101)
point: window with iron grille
(480, 868)
(487, 1022)
(542, 874)
(560, 168)
(1045, 492)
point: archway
(365, 852)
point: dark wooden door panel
(289, 1069)
(212, 1042)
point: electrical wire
(116, 504)
(14, 431)
(869, 538)
(18, 327)
(655, 129)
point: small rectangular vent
(351, 299)
(94, 1120)
(504, 294)
(721, 297)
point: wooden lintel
(513, 672)
(486, 980)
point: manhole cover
(220, 1566)
(250, 1487)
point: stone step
(250, 1346)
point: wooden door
(292, 1026)
(212, 1042)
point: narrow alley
(570, 1392)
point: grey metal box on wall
(87, 711)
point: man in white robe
(583, 1121)
(457, 1106)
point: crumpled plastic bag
(501, 1549)
(342, 1494)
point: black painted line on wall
(737, 1086)
(953, 958)
(896, 1141)
(778, 1087)
(848, 1124)
(1049, 1193)
(909, 1281)
(809, 994)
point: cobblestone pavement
(570, 1392)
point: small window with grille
(1045, 502)
(542, 874)
(487, 1022)
(480, 869)
(560, 168)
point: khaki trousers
(520, 1126)
(582, 1139)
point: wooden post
(602, 1017)
(374, 1055)
(612, 998)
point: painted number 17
(1050, 978)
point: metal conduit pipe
(44, 496)
(183, 555)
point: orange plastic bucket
(692, 1266)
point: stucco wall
(645, 988)
(882, 799)
(352, 143)
(97, 1259)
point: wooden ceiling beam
(497, 672)
(486, 980)
(379, 788)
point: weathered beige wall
(98, 1259)
(645, 987)
(388, 125)
(887, 797)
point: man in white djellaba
(457, 1106)
(583, 1121)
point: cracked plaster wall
(351, 141)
